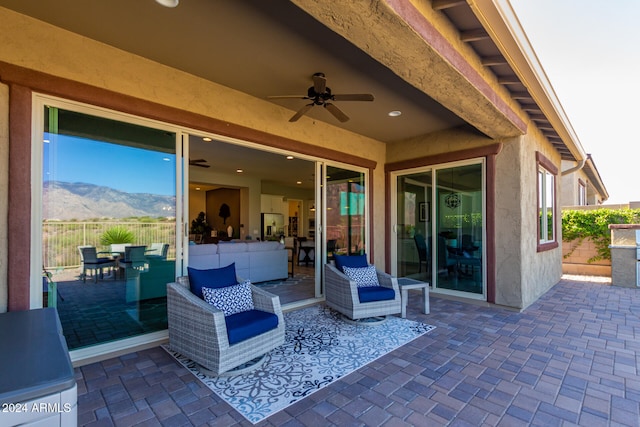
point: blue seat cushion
(212, 278)
(354, 261)
(375, 293)
(248, 324)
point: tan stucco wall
(436, 143)
(33, 44)
(522, 273)
(540, 270)
(569, 195)
(4, 186)
(509, 224)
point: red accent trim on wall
(439, 43)
(57, 86)
(451, 156)
(490, 222)
(371, 243)
(23, 81)
(19, 218)
(489, 152)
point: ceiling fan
(199, 163)
(320, 94)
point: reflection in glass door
(345, 212)
(459, 228)
(108, 224)
(439, 226)
(413, 230)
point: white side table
(405, 284)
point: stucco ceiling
(261, 48)
(266, 48)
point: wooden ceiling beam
(446, 4)
(509, 80)
(474, 35)
(521, 95)
(488, 61)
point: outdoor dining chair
(91, 261)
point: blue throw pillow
(363, 276)
(350, 261)
(213, 278)
(230, 299)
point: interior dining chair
(423, 253)
(292, 246)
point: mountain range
(82, 201)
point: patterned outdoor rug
(319, 348)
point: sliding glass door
(439, 228)
(345, 212)
(108, 233)
(459, 228)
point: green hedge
(581, 224)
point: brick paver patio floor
(572, 358)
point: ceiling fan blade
(198, 162)
(288, 97)
(301, 112)
(319, 83)
(353, 97)
(338, 114)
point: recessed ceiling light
(206, 139)
(298, 182)
(198, 188)
(394, 113)
(168, 3)
(239, 170)
(289, 157)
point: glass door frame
(321, 197)
(39, 101)
(434, 168)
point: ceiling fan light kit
(320, 94)
(168, 3)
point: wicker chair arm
(388, 281)
(193, 318)
(266, 301)
(339, 286)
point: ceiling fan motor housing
(319, 98)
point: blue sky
(128, 169)
(589, 51)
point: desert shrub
(117, 234)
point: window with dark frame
(547, 216)
(582, 193)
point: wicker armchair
(341, 294)
(198, 330)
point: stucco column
(623, 254)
